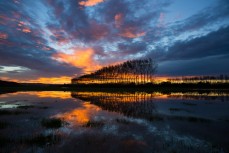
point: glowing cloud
(90, 2)
(83, 58)
(26, 30)
(131, 33)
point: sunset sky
(51, 41)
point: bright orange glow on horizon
(159, 79)
(52, 80)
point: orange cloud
(26, 30)
(118, 20)
(131, 33)
(90, 2)
(83, 58)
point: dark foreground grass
(4, 124)
(37, 139)
(26, 107)
(122, 121)
(11, 112)
(150, 87)
(42, 140)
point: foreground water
(97, 122)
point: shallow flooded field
(103, 122)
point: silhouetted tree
(132, 71)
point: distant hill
(8, 83)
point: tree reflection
(129, 104)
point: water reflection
(223, 96)
(127, 122)
(81, 115)
(186, 113)
(134, 105)
(51, 94)
(149, 105)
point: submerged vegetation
(93, 124)
(52, 123)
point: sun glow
(52, 80)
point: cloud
(80, 58)
(215, 43)
(214, 65)
(131, 33)
(211, 15)
(90, 2)
(205, 55)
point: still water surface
(115, 122)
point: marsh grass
(43, 107)
(155, 118)
(42, 140)
(4, 141)
(52, 123)
(191, 119)
(189, 104)
(93, 124)
(32, 106)
(175, 109)
(178, 110)
(4, 124)
(26, 107)
(11, 112)
(122, 121)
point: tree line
(138, 71)
(195, 79)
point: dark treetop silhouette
(132, 71)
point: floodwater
(103, 122)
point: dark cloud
(215, 43)
(214, 65)
(132, 48)
(204, 55)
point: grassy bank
(163, 87)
